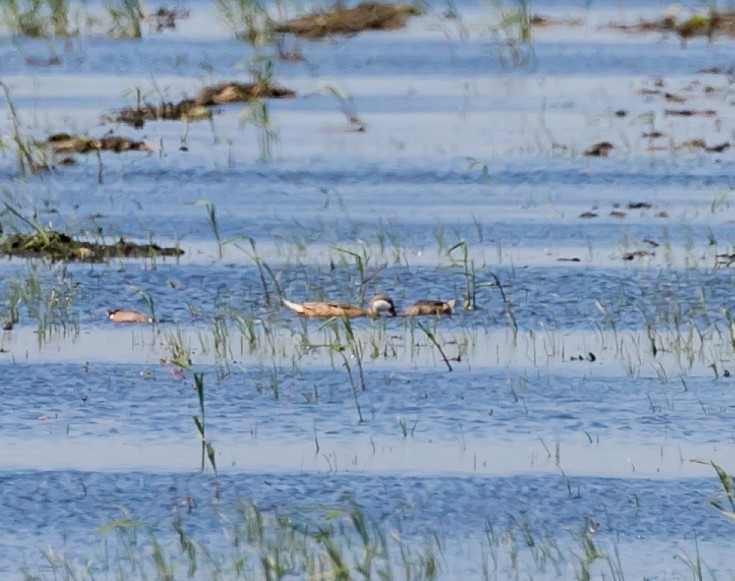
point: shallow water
(579, 389)
(627, 511)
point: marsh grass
(37, 18)
(39, 230)
(31, 157)
(126, 18)
(356, 352)
(336, 542)
(468, 273)
(350, 351)
(512, 32)
(200, 423)
(473, 163)
(48, 296)
(263, 269)
(248, 333)
(364, 275)
(221, 337)
(211, 210)
(724, 501)
(247, 19)
(430, 335)
(149, 303)
(347, 106)
(179, 348)
(257, 114)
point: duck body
(123, 316)
(428, 307)
(323, 309)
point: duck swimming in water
(427, 307)
(378, 304)
(123, 316)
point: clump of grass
(263, 268)
(247, 19)
(126, 18)
(48, 298)
(37, 18)
(365, 276)
(512, 32)
(468, 273)
(221, 338)
(31, 157)
(179, 349)
(257, 115)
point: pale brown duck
(377, 305)
(428, 307)
(123, 316)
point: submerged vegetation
(341, 541)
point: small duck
(123, 316)
(377, 305)
(430, 308)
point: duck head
(381, 303)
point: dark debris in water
(58, 246)
(591, 357)
(601, 149)
(726, 259)
(690, 112)
(717, 71)
(365, 16)
(185, 110)
(165, 18)
(66, 143)
(637, 254)
(547, 22)
(709, 25)
(617, 212)
(696, 143)
(198, 109)
(235, 92)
